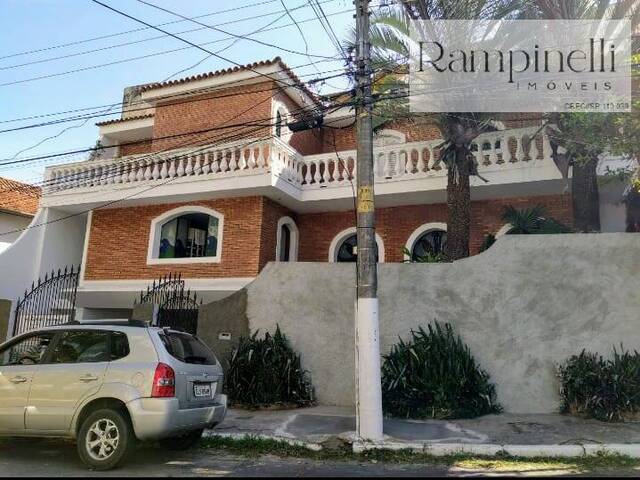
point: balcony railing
(495, 151)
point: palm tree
(390, 46)
(583, 137)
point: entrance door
(18, 362)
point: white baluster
(206, 168)
(172, 168)
(180, 169)
(197, 168)
(233, 162)
(140, 170)
(493, 156)
(189, 168)
(307, 173)
(251, 163)
(422, 163)
(224, 166)
(148, 171)
(260, 162)
(519, 150)
(164, 171)
(388, 164)
(316, 174)
(155, 171)
(546, 147)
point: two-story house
(202, 176)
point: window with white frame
(428, 240)
(344, 247)
(190, 234)
(287, 240)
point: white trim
(85, 247)
(131, 285)
(340, 237)
(417, 233)
(156, 226)
(295, 238)
(285, 133)
(503, 230)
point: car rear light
(164, 381)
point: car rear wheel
(104, 439)
(182, 442)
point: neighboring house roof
(120, 120)
(17, 197)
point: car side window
(28, 351)
(81, 346)
(119, 346)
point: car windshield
(187, 348)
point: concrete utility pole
(368, 385)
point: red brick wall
(396, 224)
(211, 111)
(119, 240)
(119, 237)
(142, 146)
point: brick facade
(119, 237)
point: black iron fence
(175, 306)
(51, 301)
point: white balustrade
(492, 150)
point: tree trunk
(585, 197)
(459, 208)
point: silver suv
(107, 385)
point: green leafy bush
(267, 371)
(532, 221)
(606, 389)
(434, 375)
(428, 257)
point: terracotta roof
(120, 120)
(250, 66)
(18, 197)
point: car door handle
(18, 379)
(88, 378)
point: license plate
(202, 390)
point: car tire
(182, 442)
(104, 439)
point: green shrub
(489, 240)
(267, 371)
(606, 389)
(532, 220)
(428, 257)
(434, 375)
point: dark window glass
(190, 235)
(28, 351)
(278, 125)
(348, 250)
(285, 243)
(429, 243)
(187, 348)
(82, 346)
(119, 346)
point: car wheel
(104, 439)
(182, 442)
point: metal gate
(51, 301)
(180, 312)
(176, 307)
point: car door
(74, 371)
(18, 362)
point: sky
(44, 25)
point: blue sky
(27, 25)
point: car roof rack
(116, 322)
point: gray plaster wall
(524, 305)
(226, 317)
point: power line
(102, 37)
(131, 59)
(149, 39)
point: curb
(315, 447)
(554, 450)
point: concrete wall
(54, 239)
(10, 228)
(522, 306)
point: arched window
(186, 235)
(344, 247)
(429, 239)
(287, 240)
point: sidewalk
(521, 435)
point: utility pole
(368, 384)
